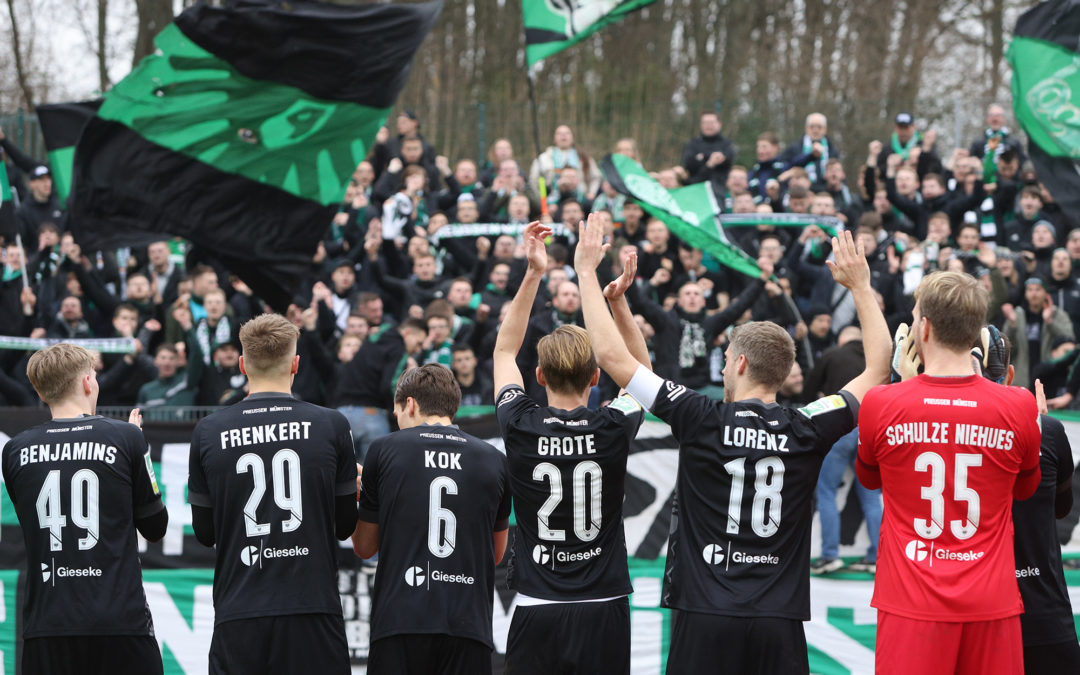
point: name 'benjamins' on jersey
(59, 452)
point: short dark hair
(1032, 191)
(125, 307)
(769, 137)
(366, 297)
(433, 387)
(413, 324)
(936, 177)
(871, 220)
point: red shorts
(907, 646)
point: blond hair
(768, 349)
(566, 360)
(955, 304)
(54, 371)
(269, 345)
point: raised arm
(851, 271)
(615, 292)
(512, 333)
(611, 352)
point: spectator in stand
(70, 321)
(917, 150)
(476, 386)
(764, 181)
(365, 388)
(408, 127)
(813, 151)
(995, 128)
(1032, 329)
(847, 204)
(392, 179)
(463, 180)
(1063, 285)
(438, 346)
(790, 393)
(171, 386)
(42, 207)
(564, 154)
(828, 374)
(501, 151)
(710, 156)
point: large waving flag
(242, 130)
(61, 125)
(1045, 58)
(553, 25)
(689, 212)
(7, 205)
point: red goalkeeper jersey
(949, 452)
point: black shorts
(428, 655)
(294, 644)
(708, 643)
(571, 637)
(92, 655)
(1062, 657)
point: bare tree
(17, 52)
(154, 15)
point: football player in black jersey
(1049, 634)
(272, 481)
(567, 472)
(79, 483)
(739, 550)
(435, 506)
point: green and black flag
(553, 25)
(1045, 58)
(8, 228)
(242, 129)
(689, 212)
(61, 125)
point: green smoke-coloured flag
(61, 125)
(1045, 58)
(7, 206)
(553, 25)
(689, 212)
(242, 130)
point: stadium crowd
(419, 264)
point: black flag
(242, 130)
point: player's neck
(567, 401)
(70, 409)
(432, 420)
(270, 386)
(941, 362)
(763, 394)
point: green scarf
(11, 273)
(816, 167)
(903, 150)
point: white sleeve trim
(645, 386)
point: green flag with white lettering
(553, 25)
(689, 212)
(1045, 58)
(241, 131)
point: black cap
(407, 112)
(1060, 340)
(904, 119)
(342, 262)
(39, 171)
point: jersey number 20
(588, 485)
(286, 468)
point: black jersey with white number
(438, 496)
(78, 485)
(1048, 615)
(270, 468)
(567, 472)
(740, 531)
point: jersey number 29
(287, 491)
